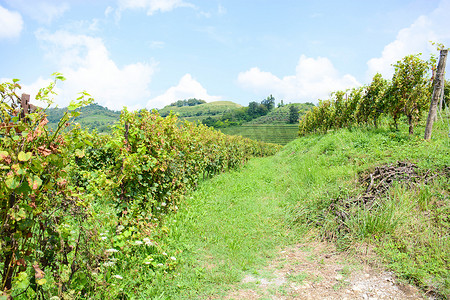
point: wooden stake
(25, 104)
(438, 88)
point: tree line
(241, 115)
(188, 102)
(406, 95)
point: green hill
(199, 112)
(92, 116)
(280, 115)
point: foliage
(242, 115)
(373, 102)
(269, 102)
(407, 94)
(280, 115)
(188, 102)
(44, 237)
(293, 114)
(411, 89)
(92, 116)
(64, 192)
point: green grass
(235, 223)
(277, 134)
(200, 111)
(280, 115)
(231, 225)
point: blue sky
(149, 53)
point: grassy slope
(92, 116)
(271, 128)
(235, 222)
(200, 111)
(280, 115)
(277, 134)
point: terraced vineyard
(277, 134)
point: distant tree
(269, 102)
(256, 110)
(209, 121)
(281, 104)
(293, 114)
(194, 101)
(188, 102)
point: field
(277, 134)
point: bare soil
(318, 271)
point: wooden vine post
(25, 104)
(438, 88)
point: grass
(237, 222)
(277, 134)
(280, 115)
(230, 226)
(201, 111)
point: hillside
(199, 112)
(270, 133)
(93, 116)
(280, 115)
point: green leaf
(75, 114)
(36, 182)
(79, 153)
(3, 154)
(74, 105)
(12, 183)
(25, 156)
(41, 281)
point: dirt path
(317, 271)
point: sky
(150, 53)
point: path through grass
(230, 225)
(236, 222)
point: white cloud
(11, 23)
(313, 79)
(221, 10)
(151, 6)
(156, 44)
(414, 39)
(187, 88)
(85, 62)
(108, 11)
(42, 11)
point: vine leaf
(24, 156)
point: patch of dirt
(318, 271)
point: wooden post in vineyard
(437, 90)
(25, 104)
